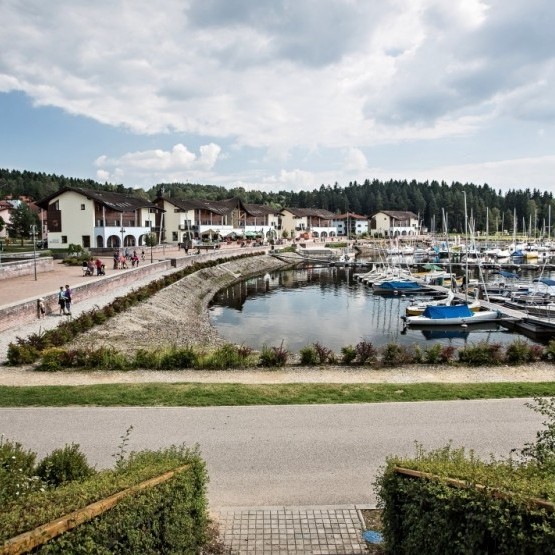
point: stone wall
(19, 268)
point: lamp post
(122, 231)
(34, 233)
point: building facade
(98, 219)
(394, 223)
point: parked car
(42, 244)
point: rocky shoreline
(177, 315)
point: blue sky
(280, 94)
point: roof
(349, 215)
(115, 201)
(222, 207)
(399, 214)
(317, 212)
(260, 209)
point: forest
(430, 200)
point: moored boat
(451, 315)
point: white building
(394, 223)
(98, 219)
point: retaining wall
(19, 268)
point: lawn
(202, 395)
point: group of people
(89, 267)
(64, 300)
(121, 259)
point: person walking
(98, 264)
(67, 296)
(62, 300)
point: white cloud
(179, 161)
(277, 80)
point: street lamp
(122, 231)
(34, 233)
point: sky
(280, 94)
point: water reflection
(302, 306)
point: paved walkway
(292, 530)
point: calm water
(328, 305)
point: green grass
(202, 395)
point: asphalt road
(282, 455)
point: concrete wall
(20, 268)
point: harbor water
(330, 306)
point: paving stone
(292, 530)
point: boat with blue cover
(451, 315)
(398, 286)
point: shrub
(53, 360)
(324, 354)
(432, 355)
(481, 354)
(309, 356)
(22, 354)
(64, 465)
(542, 451)
(536, 353)
(16, 471)
(348, 354)
(366, 353)
(147, 359)
(394, 355)
(226, 356)
(107, 358)
(273, 356)
(179, 357)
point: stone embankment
(179, 313)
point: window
(82, 207)
(64, 239)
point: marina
(330, 305)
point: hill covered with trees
(534, 209)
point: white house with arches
(98, 219)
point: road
(282, 455)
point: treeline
(430, 200)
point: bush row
(241, 356)
(168, 518)
(28, 350)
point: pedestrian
(98, 264)
(42, 308)
(67, 297)
(143, 255)
(62, 300)
(116, 260)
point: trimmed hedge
(168, 518)
(427, 515)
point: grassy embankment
(199, 395)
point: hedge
(494, 508)
(170, 517)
